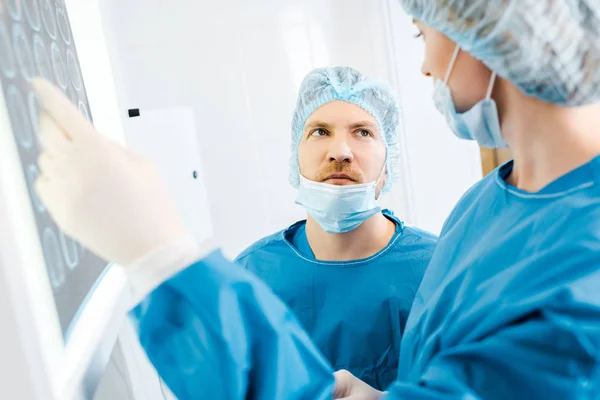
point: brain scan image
(36, 40)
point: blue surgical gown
(355, 311)
(510, 304)
(509, 308)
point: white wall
(239, 65)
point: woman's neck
(547, 141)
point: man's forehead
(341, 114)
(341, 123)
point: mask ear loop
(488, 95)
(379, 179)
(451, 65)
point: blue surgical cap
(550, 49)
(324, 85)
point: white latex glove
(349, 387)
(106, 197)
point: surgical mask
(480, 122)
(339, 208)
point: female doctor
(510, 304)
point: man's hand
(349, 387)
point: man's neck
(366, 240)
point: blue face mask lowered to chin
(480, 122)
(338, 208)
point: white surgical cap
(550, 49)
(324, 85)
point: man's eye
(364, 133)
(318, 132)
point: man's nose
(340, 151)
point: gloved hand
(349, 387)
(106, 197)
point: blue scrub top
(355, 311)
(510, 304)
(509, 308)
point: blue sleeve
(216, 331)
(552, 355)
